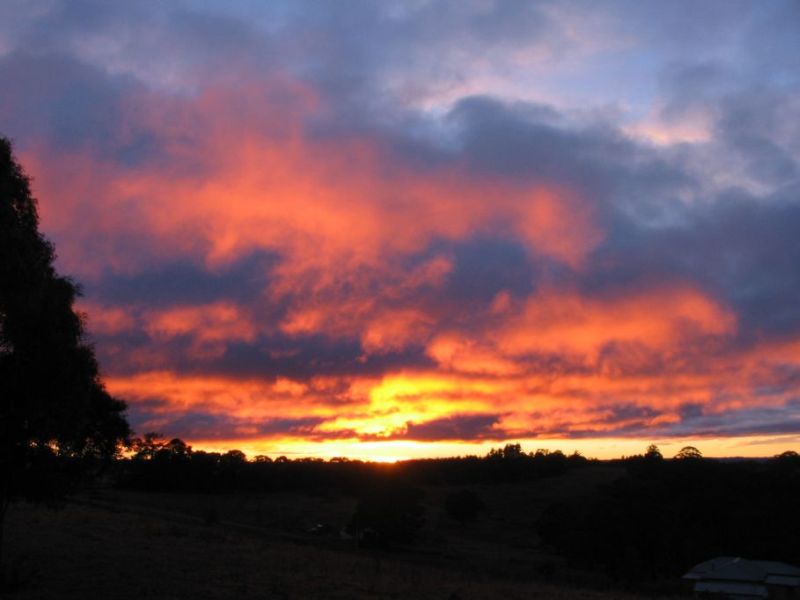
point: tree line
(157, 464)
(665, 516)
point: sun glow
(397, 450)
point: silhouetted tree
(234, 457)
(653, 454)
(145, 447)
(510, 452)
(789, 456)
(787, 463)
(689, 453)
(55, 415)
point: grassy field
(133, 545)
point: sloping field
(85, 551)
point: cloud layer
(424, 223)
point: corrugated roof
(783, 580)
(753, 590)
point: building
(741, 579)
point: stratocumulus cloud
(411, 224)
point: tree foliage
(158, 464)
(666, 516)
(55, 414)
(689, 453)
(653, 454)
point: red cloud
(238, 171)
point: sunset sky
(396, 229)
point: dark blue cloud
(305, 357)
(740, 249)
(484, 267)
(456, 427)
(695, 421)
(55, 96)
(198, 424)
(186, 282)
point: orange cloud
(241, 172)
(659, 318)
(212, 326)
(559, 224)
(106, 319)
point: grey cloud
(740, 249)
(529, 142)
(185, 282)
(486, 266)
(762, 128)
(697, 422)
(456, 427)
(53, 95)
(197, 424)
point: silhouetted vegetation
(665, 516)
(56, 418)
(655, 519)
(173, 466)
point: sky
(387, 230)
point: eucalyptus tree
(55, 414)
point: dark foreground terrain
(135, 547)
(180, 524)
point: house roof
(728, 568)
(735, 588)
